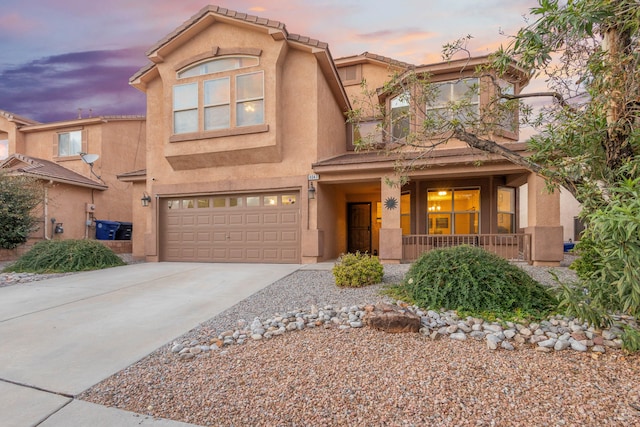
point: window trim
(209, 59)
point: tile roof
(277, 25)
(45, 169)
(376, 57)
(15, 118)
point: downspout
(46, 209)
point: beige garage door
(236, 228)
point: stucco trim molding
(245, 130)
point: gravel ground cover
(364, 377)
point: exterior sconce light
(146, 199)
(312, 191)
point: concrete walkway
(59, 337)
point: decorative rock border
(558, 333)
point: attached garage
(258, 228)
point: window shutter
(84, 141)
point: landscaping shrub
(357, 270)
(63, 256)
(471, 279)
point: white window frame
(71, 140)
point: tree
(588, 52)
(19, 195)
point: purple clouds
(55, 87)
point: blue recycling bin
(568, 246)
(106, 230)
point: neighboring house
(249, 158)
(75, 192)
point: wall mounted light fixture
(312, 191)
(146, 199)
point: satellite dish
(89, 158)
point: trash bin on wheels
(106, 230)
(124, 231)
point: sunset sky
(62, 55)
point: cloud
(15, 25)
(55, 87)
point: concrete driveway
(59, 337)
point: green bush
(63, 256)
(470, 279)
(357, 270)
(19, 195)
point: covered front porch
(494, 205)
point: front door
(359, 227)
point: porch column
(312, 237)
(391, 233)
(544, 223)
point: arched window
(219, 65)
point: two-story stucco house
(77, 163)
(250, 159)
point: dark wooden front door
(359, 227)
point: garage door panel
(271, 236)
(253, 236)
(289, 218)
(219, 237)
(204, 236)
(235, 219)
(220, 219)
(270, 218)
(253, 219)
(235, 236)
(231, 232)
(204, 220)
(289, 236)
(188, 220)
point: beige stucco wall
(303, 121)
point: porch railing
(514, 247)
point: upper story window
(219, 65)
(400, 116)
(227, 101)
(69, 143)
(508, 119)
(463, 91)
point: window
(506, 210)
(460, 98)
(217, 114)
(249, 99)
(219, 65)
(217, 109)
(453, 211)
(368, 132)
(400, 117)
(405, 213)
(185, 108)
(508, 118)
(4, 148)
(69, 143)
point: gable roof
(276, 29)
(47, 170)
(372, 57)
(17, 119)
